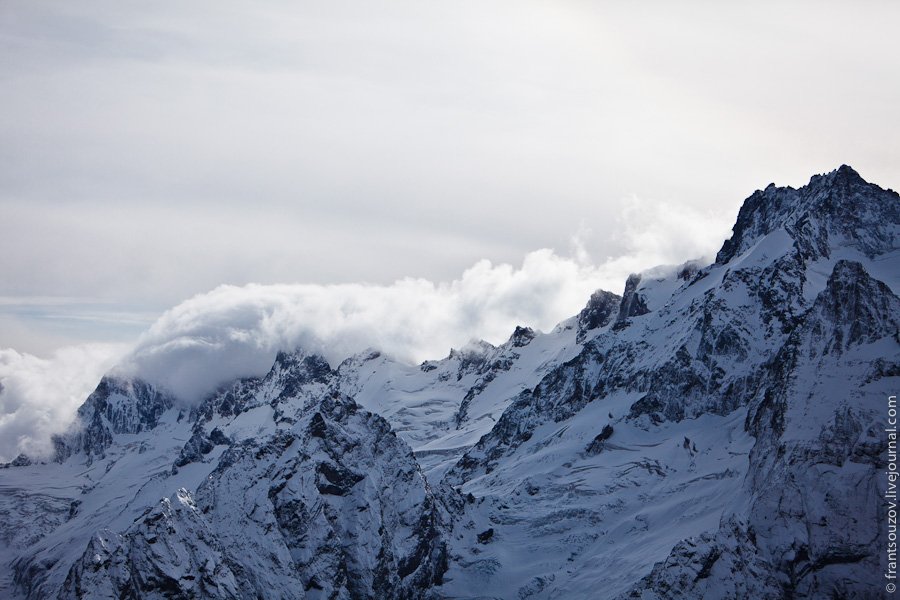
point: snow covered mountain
(715, 432)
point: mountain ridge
(638, 450)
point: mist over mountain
(707, 430)
(236, 331)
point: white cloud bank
(235, 331)
(39, 396)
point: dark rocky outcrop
(601, 309)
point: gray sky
(152, 151)
(406, 162)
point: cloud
(341, 142)
(655, 233)
(235, 331)
(295, 141)
(39, 396)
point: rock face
(601, 309)
(338, 506)
(298, 492)
(715, 432)
(836, 209)
(171, 552)
(813, 527)
(117, 406)
(795, 327)
(633, 303)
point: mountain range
(715, 431)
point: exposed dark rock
(602, 307)
(199, 445)
(20, 461)
(599, 442)
(633, 303)
(486, 536)
(689, 270)
(836, 206)
(522, 336)
(116, 406)
(336, 480)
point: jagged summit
(600, 311)
(522, 336)
(839, 206)
(117, 406)
(303, 367)
(845, 175)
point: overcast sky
(152, 151)
(414, 174)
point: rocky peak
(843, 178)
(228, 401)
(837, 208)
(290, 374)
(303, 367)
(360, 358)
(472, 358)
(689, 270)
(474, 349)
(22, 460)
(522, 336)
(632, 303)
(130, 405)
(599, 312)
(118, 405)
(294, 370)
(760, 214)
(861, 309)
